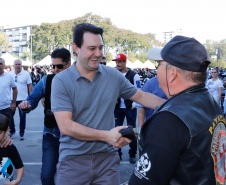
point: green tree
(48, 37)
(217, 52)
(4, 44)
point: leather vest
(128, 103)
(49, 120)
(204, 160)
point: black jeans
(6, 112)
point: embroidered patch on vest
(143, 166)
(218, 149)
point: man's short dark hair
(62, 53)
(104, 58)
(80, 29)
(4, 123)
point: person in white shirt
(24, 85)
(6, 105)
(215, 85)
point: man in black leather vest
(125, 108)
(61, 60)
(183, 143)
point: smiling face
(91, 51)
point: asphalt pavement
(30, 149)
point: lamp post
(31, 50)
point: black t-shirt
(7, 154)
(165, 139)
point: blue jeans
(130, 114)
(50, 155)
(22, 121)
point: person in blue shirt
(151, 86)
(61, 60)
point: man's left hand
(7, 141)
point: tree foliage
(4, 44)
(217, 52)
(48, 37)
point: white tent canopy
(129, 64)
(45, 61)
(149, 64)
(138, 64)
(9, 59)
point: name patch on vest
(218, 148)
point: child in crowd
(9, 157)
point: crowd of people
(180, 134)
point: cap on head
(120, 56)
(154, 54)
(186, 53)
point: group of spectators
(182, 142)
(146, 73)
(37, 73)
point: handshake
(128, 133)
(124, 136)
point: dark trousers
(130, 114)
(7, 112)
(89, 169)
(22, 120)
(50, 155)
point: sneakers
(21, 137)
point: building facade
(18, 38)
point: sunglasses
(15, 78)
(59, 66)
(213, 72)
(104, 63)
(156, 67)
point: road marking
(29, 164)
(30, 131)
(125, 162)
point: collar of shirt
(74, 70)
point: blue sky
(202, 19)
